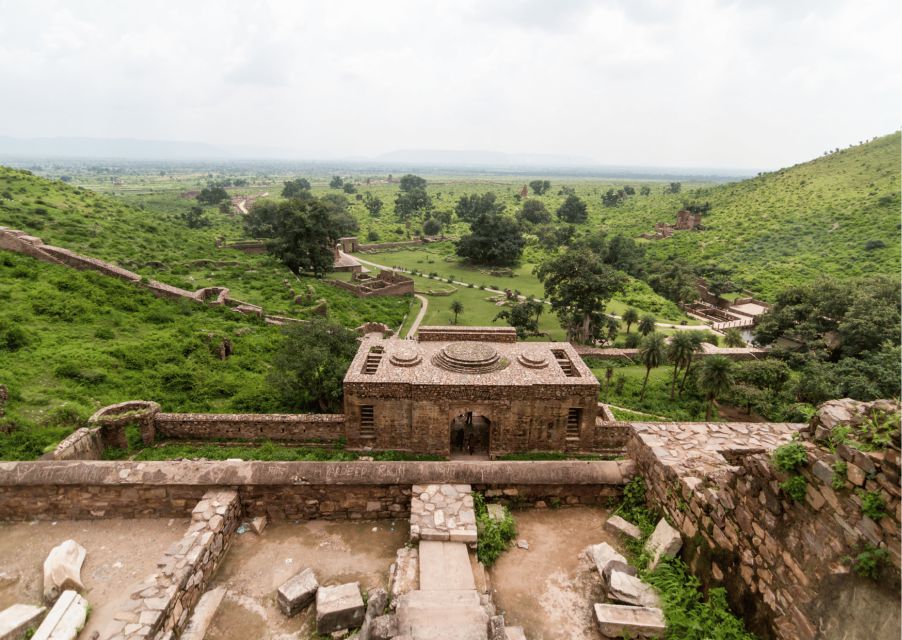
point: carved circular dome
(469, 357)
(533, 358)
(405, 357)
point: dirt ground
(121, 553)
(549, 590)
(255, 567)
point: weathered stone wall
(81, 444)
(160, 607)
(785, 564)
(382, 246)
(296, 428)
(390, 284)
(480, 334)
(610, 438)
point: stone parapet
(81, 444)
(314, 428)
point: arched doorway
(470, 436)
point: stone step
(445, 566)
(65, 620)
(16, 620)
(449, 615)
(618, 620)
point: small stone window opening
(373, 358)
(564, 361)
(574, 418)
(367, 421)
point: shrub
(840, 469)
(795, 487)
(870, 561)
(872, 504)
(494, 536)
(789, 457)
(12, 337)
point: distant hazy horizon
(729, 84)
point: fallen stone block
(620, 527)
(204, 611)
(339, 607)
(496, 628)
(619, 621)
(384, 628)
(297, 593)
(602, 555)
(376, 601)
(62, 569)
(65, 620)
(628, 589)
(665, 541)
(15, 621)
(515, 633)
(258, 524)
(495, 511)
(404, 574)
(616, 565)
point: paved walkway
(424, 306)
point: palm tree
(733, 338)
(698, 337)
(647, 324)
(630, 317)
(715, 376)
(457, 308)
(679, 351)
(652, 353)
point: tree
(733, 338)
(553, 236)
(625, 254)
(697, 338)
(539, 187)
(534, 212)
(573, 210)
(652, 354)
(348, 187)
(612, 198)
(679, 351)
(432, 227)
(494, 239)
(645, 190)
(411, 182)
(673, 278)
(756, 380)
(469, 207)
(630, 317)
(579, 285)
(608, 331)
(373, 204)
(673, 187)
(647, 324)
(294, 188)
(629, 190)
(413, 202)
(212, 194)
(309, 365)
(715, 377)
(457, 308)
(195, 218)
(522, 316)
(336, 182)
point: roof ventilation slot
(565, 363)
(373, 358)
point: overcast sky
(741, 84)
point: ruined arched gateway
(470, 391)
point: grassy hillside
(153, 240)
(72, 342)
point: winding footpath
(424, 305)
(416, 324)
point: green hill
(837, 216)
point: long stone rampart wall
(787, 566)
(295, 428)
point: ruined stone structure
(385, 283)
(469, 392)
(685, 221)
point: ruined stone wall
(81, 444)
(296, 428)
(480, 334)
(786, 565)
(160, 607)
(610, 438)
(397, 285)
(381, 246)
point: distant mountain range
(131, 149)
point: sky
(689, 83)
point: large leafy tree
(534, 212)
(212, 194)
(411, 182)
(293, 188)
(412, 203)
(539, 187)
(309, 366)
(578, 284)
(715, 377)
(523, 317)
(470, 207)
(494, 239)
(573, 210)
(652, 354)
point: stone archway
(470, 436)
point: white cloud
(688, 83)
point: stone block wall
(81, 444)
(161, 605)
(294, 428)
(786, 565)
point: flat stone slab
(297, 593)
(62, 569)
(19, 618)
(620, 527)
(514, 633)
(65, 620)
(445, 566)
(442, 615)
(617, 621)
(404, 573)
(339, 607)
(442, 512)
(203, 614)
(665, 541)
(628, 589)
(602, 554)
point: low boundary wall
(295, 428)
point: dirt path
(424, 306)
(549, 589)
(121, 553)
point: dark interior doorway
(470, 437)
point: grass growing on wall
(267, 451)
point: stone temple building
(469, 392)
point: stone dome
(469, 357)
(405, 357)
(533, 359)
